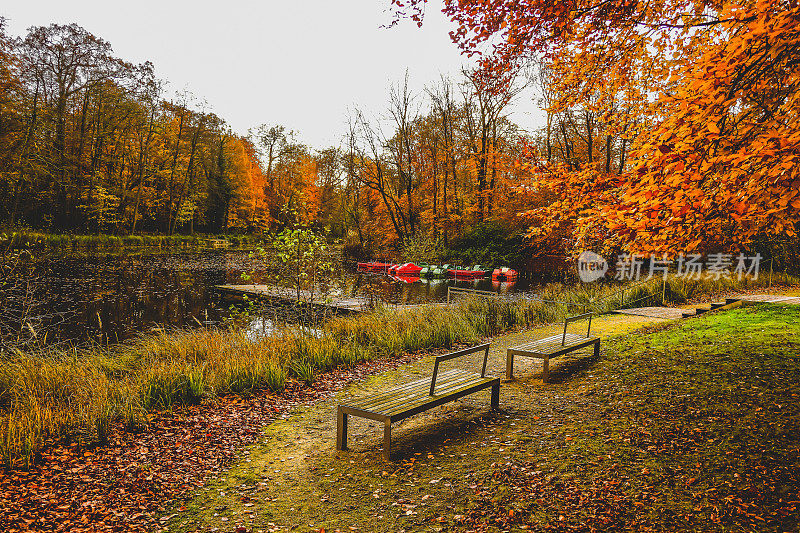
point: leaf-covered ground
(131, 483)
(692, 425)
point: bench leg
(341, 430)
(597, 349)
(509, 366)
(496, 397)
(545, 369)
(387, 439)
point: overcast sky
(300, 63)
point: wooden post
(485, 358)
(772, 260)
(509, 366)
(387, 438)
(545, 369)
(435, 372)
(496, 397)
(597, 349)
(341, 430)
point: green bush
(488, 243)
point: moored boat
(504, 274)
(440, 272)
(427, 271)
(374, 266)
(406, 269)
(381, 267)
(474, 272)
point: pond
(108, 298)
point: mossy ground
(692, 425)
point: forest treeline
(88, 142)
(671, 125)
(91, 143)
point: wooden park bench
(552, 347)
(418, 396)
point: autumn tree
(89, 143)
(65, 60)
(12, 125)
(700, 98)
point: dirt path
(294, 480)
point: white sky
(300, 63)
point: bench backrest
(453, 355)
(575, 319)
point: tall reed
(52, 394)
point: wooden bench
(553, 347)
(418, 396)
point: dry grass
(54, 394)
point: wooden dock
(664, 313)
(353, 304)
(347, 305)
(768, 298)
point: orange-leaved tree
(698, 101)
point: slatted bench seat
(553, 347)
(418, 396)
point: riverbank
(51, 394)
(128, 484)
(32, 240)
(689, 425)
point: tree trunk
(187, 178)
(172, 169)
(59, 144)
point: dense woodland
(685, 114)
(89, 143)
(675, 127)
(92, 144)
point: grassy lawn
(689, 425)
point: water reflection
(110, 297)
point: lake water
(108, 298)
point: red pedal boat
(504, 274)
(466, 273)
(406, 269)
(374, 266)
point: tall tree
(713, 91)
(64, 60)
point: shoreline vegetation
(54, 393)
(29, 240)
(679, 426)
